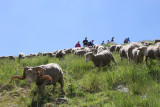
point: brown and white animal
(153, 52)
(80, 52)
(112, 48)
(7, 57)
(100, 48)
(4, 57)
(40, 54)
(126, 51)
(156, 41)
(11, 57)
(21, 55)
(60, 54)
(101, 59)
(68, 51)
(48, 54)
(43, 75)
(139, 53)
(118, 47)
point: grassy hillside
(84, 86)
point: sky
(32, 26)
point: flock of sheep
(99, 55)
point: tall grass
(84, 85)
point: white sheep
(101, 59)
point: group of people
(108, 42)
(126, 40)
(90, 43)
(85, 43)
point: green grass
(84, 85)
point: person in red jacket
(78, 45)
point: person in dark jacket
(126, 40)
(85, 42)
(112, 40)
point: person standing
(108, 42)
(112, 40)
(128, 40)
(78, 45)
(85, 42)
(102, 43)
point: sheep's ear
(39, 73)
(39, 69)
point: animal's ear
(39, 74)
(39, 69)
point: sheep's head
(32, 74)
(143, 49)
(88, 56)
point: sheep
(11, 57)
(157, 44)
(87, 49)
(156, 41)
(80, 52)
(139, 53)
(40, 54)
(67, 51)
(42, 75)
(4, 57)
(21, 55)
(122, 52)
(96, 46)
(148, 43)
(118, 47)
(7, 57)
(112, 48)
(152, 52)
(93, 50)
(100, 48)
(126, 51)
(60, 54)
(101, 59)
(48, 54)
(74, 49)
(129, 51)
(33, 55)
(55, 51)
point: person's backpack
(126, 40)
(89, 44)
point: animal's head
(32, 74)
(143, 49)
(88, 56)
